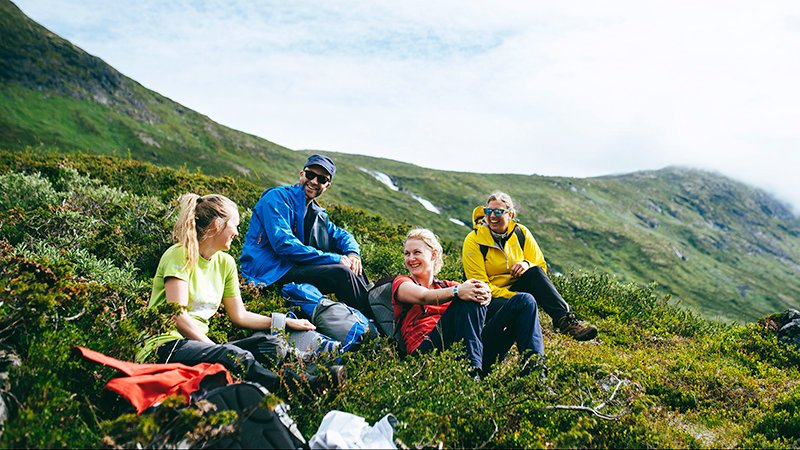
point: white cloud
(557, 88)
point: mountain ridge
(721, 247)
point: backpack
(335, 319)
(257, 426)
(380, 301)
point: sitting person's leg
(350, 289)
(496, 339)
(238, 361)
(535, 281)
(514, 320)
(462, 321)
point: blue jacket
(275, 238)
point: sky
(567, 88)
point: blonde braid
(185, 231)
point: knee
(341, 273)
(535, 275)
(239, 356)
(473, 306)
(471, 309)
(524, 302)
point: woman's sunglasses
(496, 211)
(321, 179)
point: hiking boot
(476, 373)
(330, 377)
(338, 375)
(577, 329)
(318, 379)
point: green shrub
(26, 192)
(782, 422)
(641, 309)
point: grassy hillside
(55, 94)
(724, 249)
(78, 252)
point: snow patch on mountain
(458, 222)
(387, 181)
(427, 204)
(382, 177)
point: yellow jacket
(495, 268)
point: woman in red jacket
(435, 313)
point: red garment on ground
(148, 384)
(420, 319)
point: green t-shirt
(209, 282)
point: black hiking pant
(238, 361)
(535, 281)
(350, 289)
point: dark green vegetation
(81, 239)
(81, 233)
(724, 249)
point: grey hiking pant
(238, 361)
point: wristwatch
(455, 291)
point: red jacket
(148, 384)
(420, 319)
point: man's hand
(352, 261)
(518, 269)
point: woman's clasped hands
(475, 291)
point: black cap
(322, 161)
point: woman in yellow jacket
(503, 254)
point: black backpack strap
(401, 343)
(520, 236)
(440, 283)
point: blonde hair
(430, 239)
(503, 198)
(197, 221)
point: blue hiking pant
(489, 332)
(461, 322)
(509, 321)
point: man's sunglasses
(321, 179)
(496, 211)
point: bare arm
(470, 290)
(177, 291)
(240, 316)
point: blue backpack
(335, 319)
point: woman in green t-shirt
(197, 274)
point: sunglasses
(322, 179)
(496, 211)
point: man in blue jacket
(290, 239)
